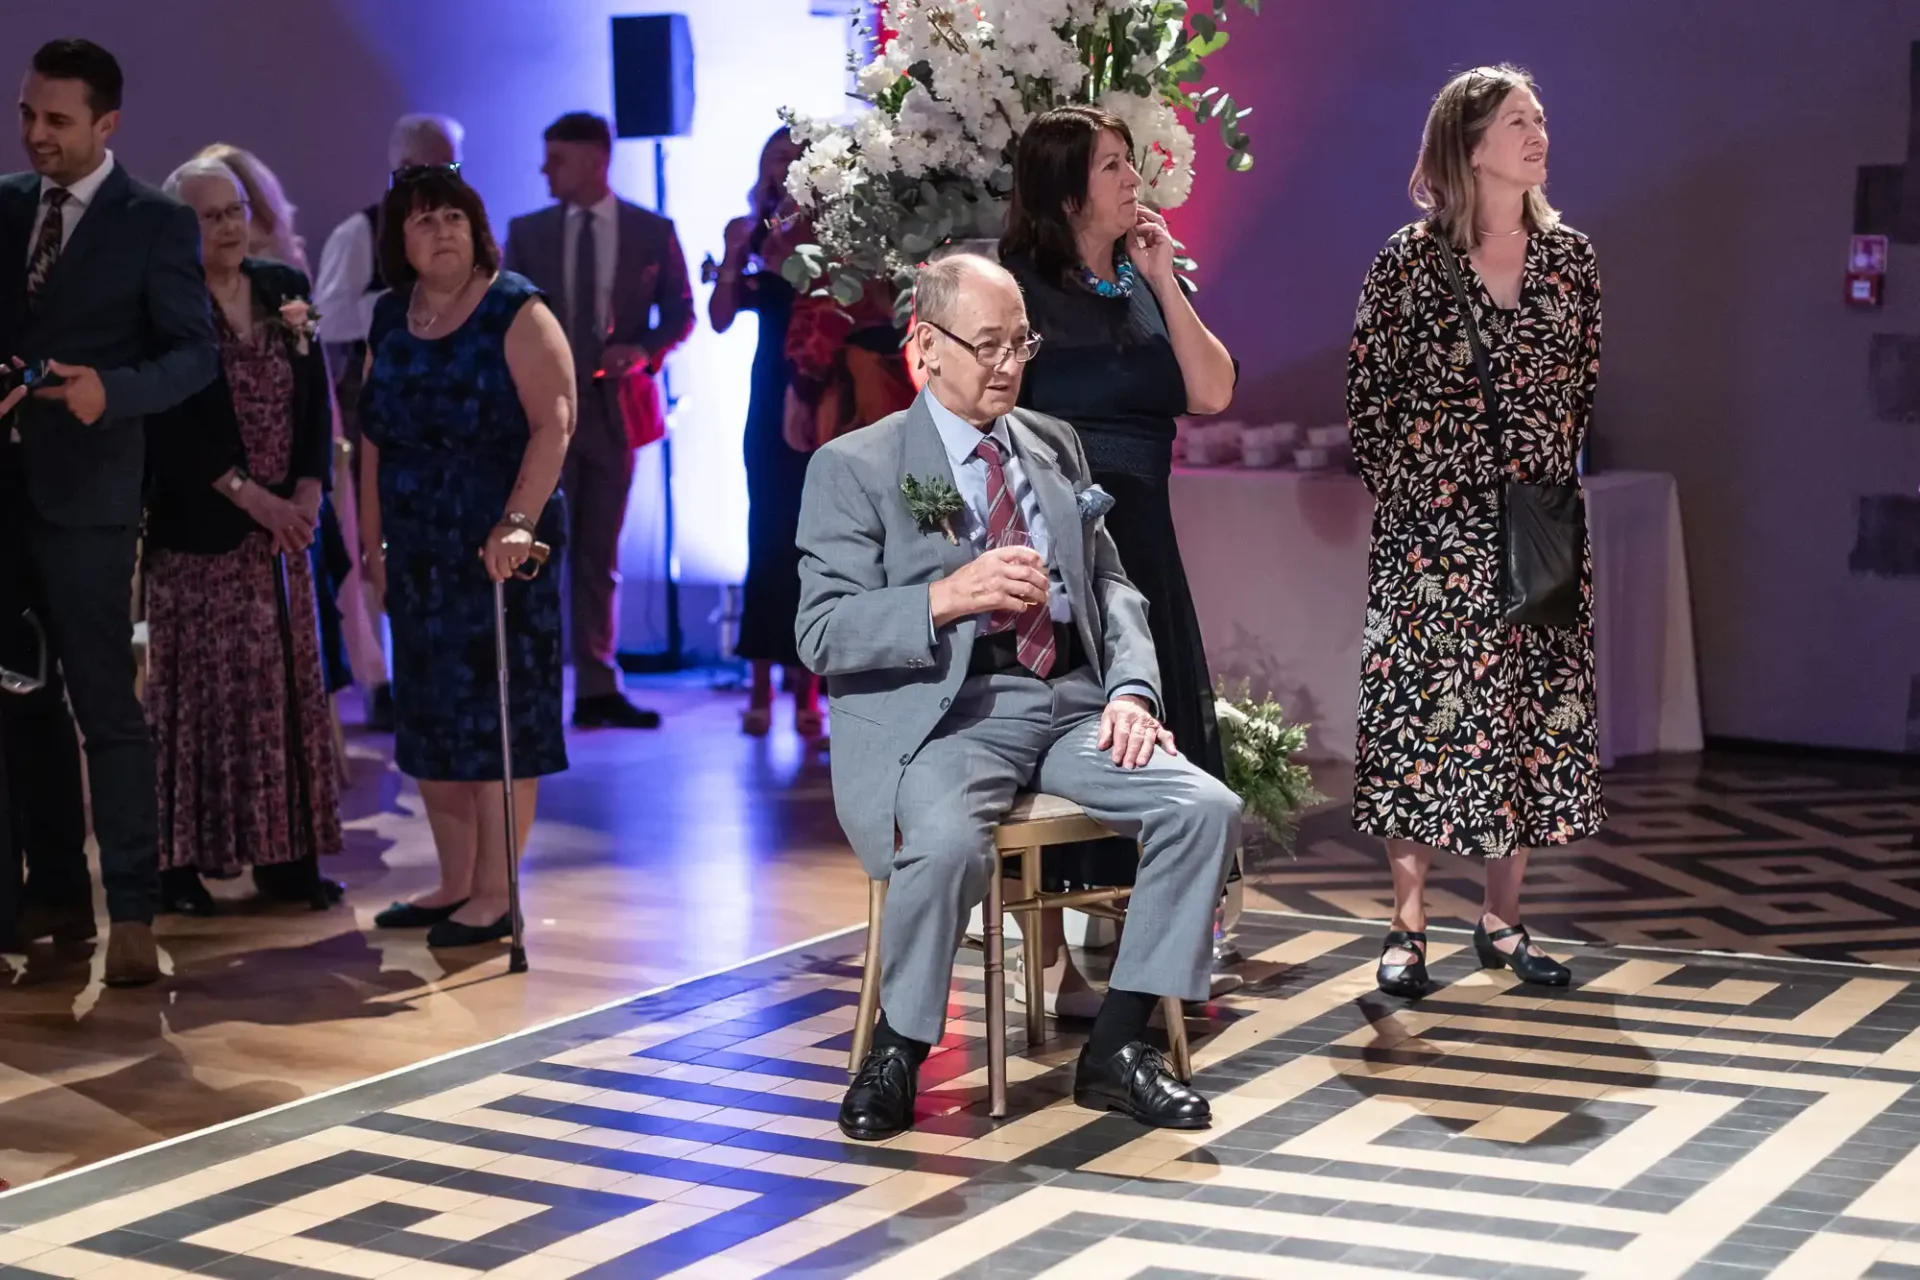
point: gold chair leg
(1035, 962)
(869, 978)
(1174, 1011)
(996, 998)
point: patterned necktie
(583, 306)
(47, 245)
(1034, 624)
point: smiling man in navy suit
(99, 275)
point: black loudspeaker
(652, 76)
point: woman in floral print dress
(1475, 737)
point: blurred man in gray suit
(618, 281)
(992, 642)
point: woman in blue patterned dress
(467, 408)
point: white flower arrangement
(931, 161)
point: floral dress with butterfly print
(1475, 737)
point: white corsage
(299, 318)
(1093, 502)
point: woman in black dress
(749, 280)
(1124, 356)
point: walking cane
(517, 958)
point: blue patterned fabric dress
(451, 433)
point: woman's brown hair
(423, 191)
(1050, 170)
(1442, 184)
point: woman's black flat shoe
(1407, 980)
(1542, 971)
(404, 915)
(451, 933)
(183, 894)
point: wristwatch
(517, 520)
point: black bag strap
(1495, 417)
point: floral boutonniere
(299, 318)
(933, 504)
(1093, 502)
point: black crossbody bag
(1541, 525)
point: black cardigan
(191, 446)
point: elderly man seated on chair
(960, 590)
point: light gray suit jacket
(865, 570)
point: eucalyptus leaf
(1240, 162)
(846, 289)
(1203, 26)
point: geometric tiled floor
(1741, 852)
(1671, 1115)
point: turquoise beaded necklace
(1121, 287)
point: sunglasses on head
(414, 172)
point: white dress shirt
(79, 198)
(340, 292)
(605, 219)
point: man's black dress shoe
(1137, 1081)
(611, 711)
(879, 1103)
(65, 924)
(404, 915)
(451, 933)
(183, 893)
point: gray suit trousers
(597, 478)
(1006, 732)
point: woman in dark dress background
(749, 280)
(1124, 355)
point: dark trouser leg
(599, 474)
(85, 580)
(47, 825)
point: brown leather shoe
(64, 925)
(133, 959)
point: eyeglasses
(993, 354)
(235, 212)
(414, 172)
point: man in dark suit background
(99, 275)
(609, 267)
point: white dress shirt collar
(961, 437)
(601, 209)
(80, 194)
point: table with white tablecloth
(1278, 565)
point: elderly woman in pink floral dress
(235, 691)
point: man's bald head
(938, 285)
(960, 301)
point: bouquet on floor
(1260, 746)
(957, 81)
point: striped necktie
(1033, 625)
(47, 245)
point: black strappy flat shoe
(1542, 971)
(1407, 980)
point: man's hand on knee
(1129, 732)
